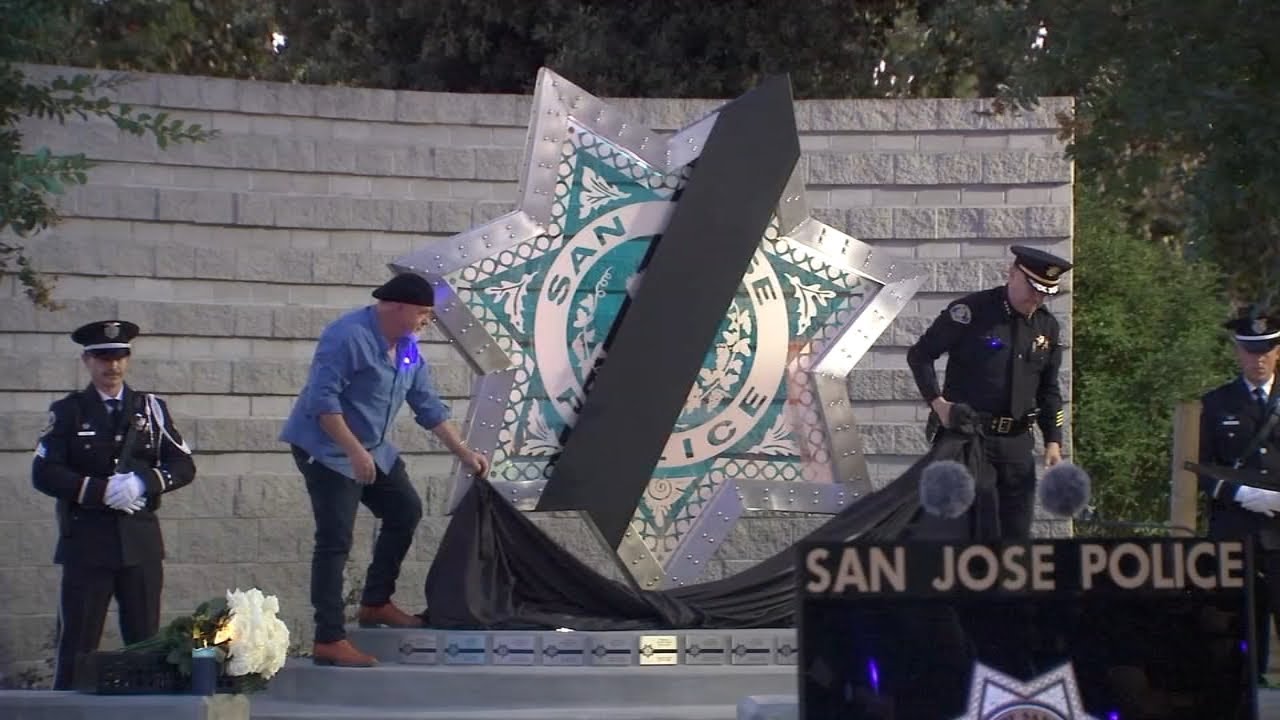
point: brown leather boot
(342, 654)
(388, 615)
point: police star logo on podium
(1052, 696)
(661, 334)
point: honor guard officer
(1004, 352)
(108, 455)
(1238, 429)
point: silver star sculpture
(530, 298)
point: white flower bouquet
(251, 643)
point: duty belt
(997, 425)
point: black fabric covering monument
(495, 569)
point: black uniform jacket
(1229, 420)
(77, 454)
(999, 361)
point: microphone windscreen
(1064, 489)
(946, 489)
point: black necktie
(1261, 398)
(113, 409)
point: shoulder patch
(40, 451)
(960, 313)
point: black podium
(1115, 629)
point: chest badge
(961, 313)
(1040, 343)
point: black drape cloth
(495, 569)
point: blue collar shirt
(355, 372)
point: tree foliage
(668, 48)
(1146, 335)
(226, 38)
(30, 179)
(1174, 116)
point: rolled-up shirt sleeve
(428, 409)
(331, 370)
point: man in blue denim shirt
(366, 366)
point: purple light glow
(407, 349)
(873, 672)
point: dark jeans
(82, 610)
(334, 501)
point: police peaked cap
(106, 337)
(1043, 270)
(1255, 330)
(408, 288)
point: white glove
(123, 489)
(137, 505)
(1266, 502)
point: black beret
(408, 288)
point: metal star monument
(541, 300)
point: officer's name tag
(88, 433)
(1231, 421)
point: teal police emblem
(532, 298)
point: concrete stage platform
(535, 675)
(439, 675)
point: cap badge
(1259, 325)
(1053, 271)
(111, 330)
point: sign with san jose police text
(1029, 567)
(1035, 630)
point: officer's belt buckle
(1003, 425)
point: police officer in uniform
(109, 543)
(1239, 429)
(1004, 353)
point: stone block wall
(233, 254)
